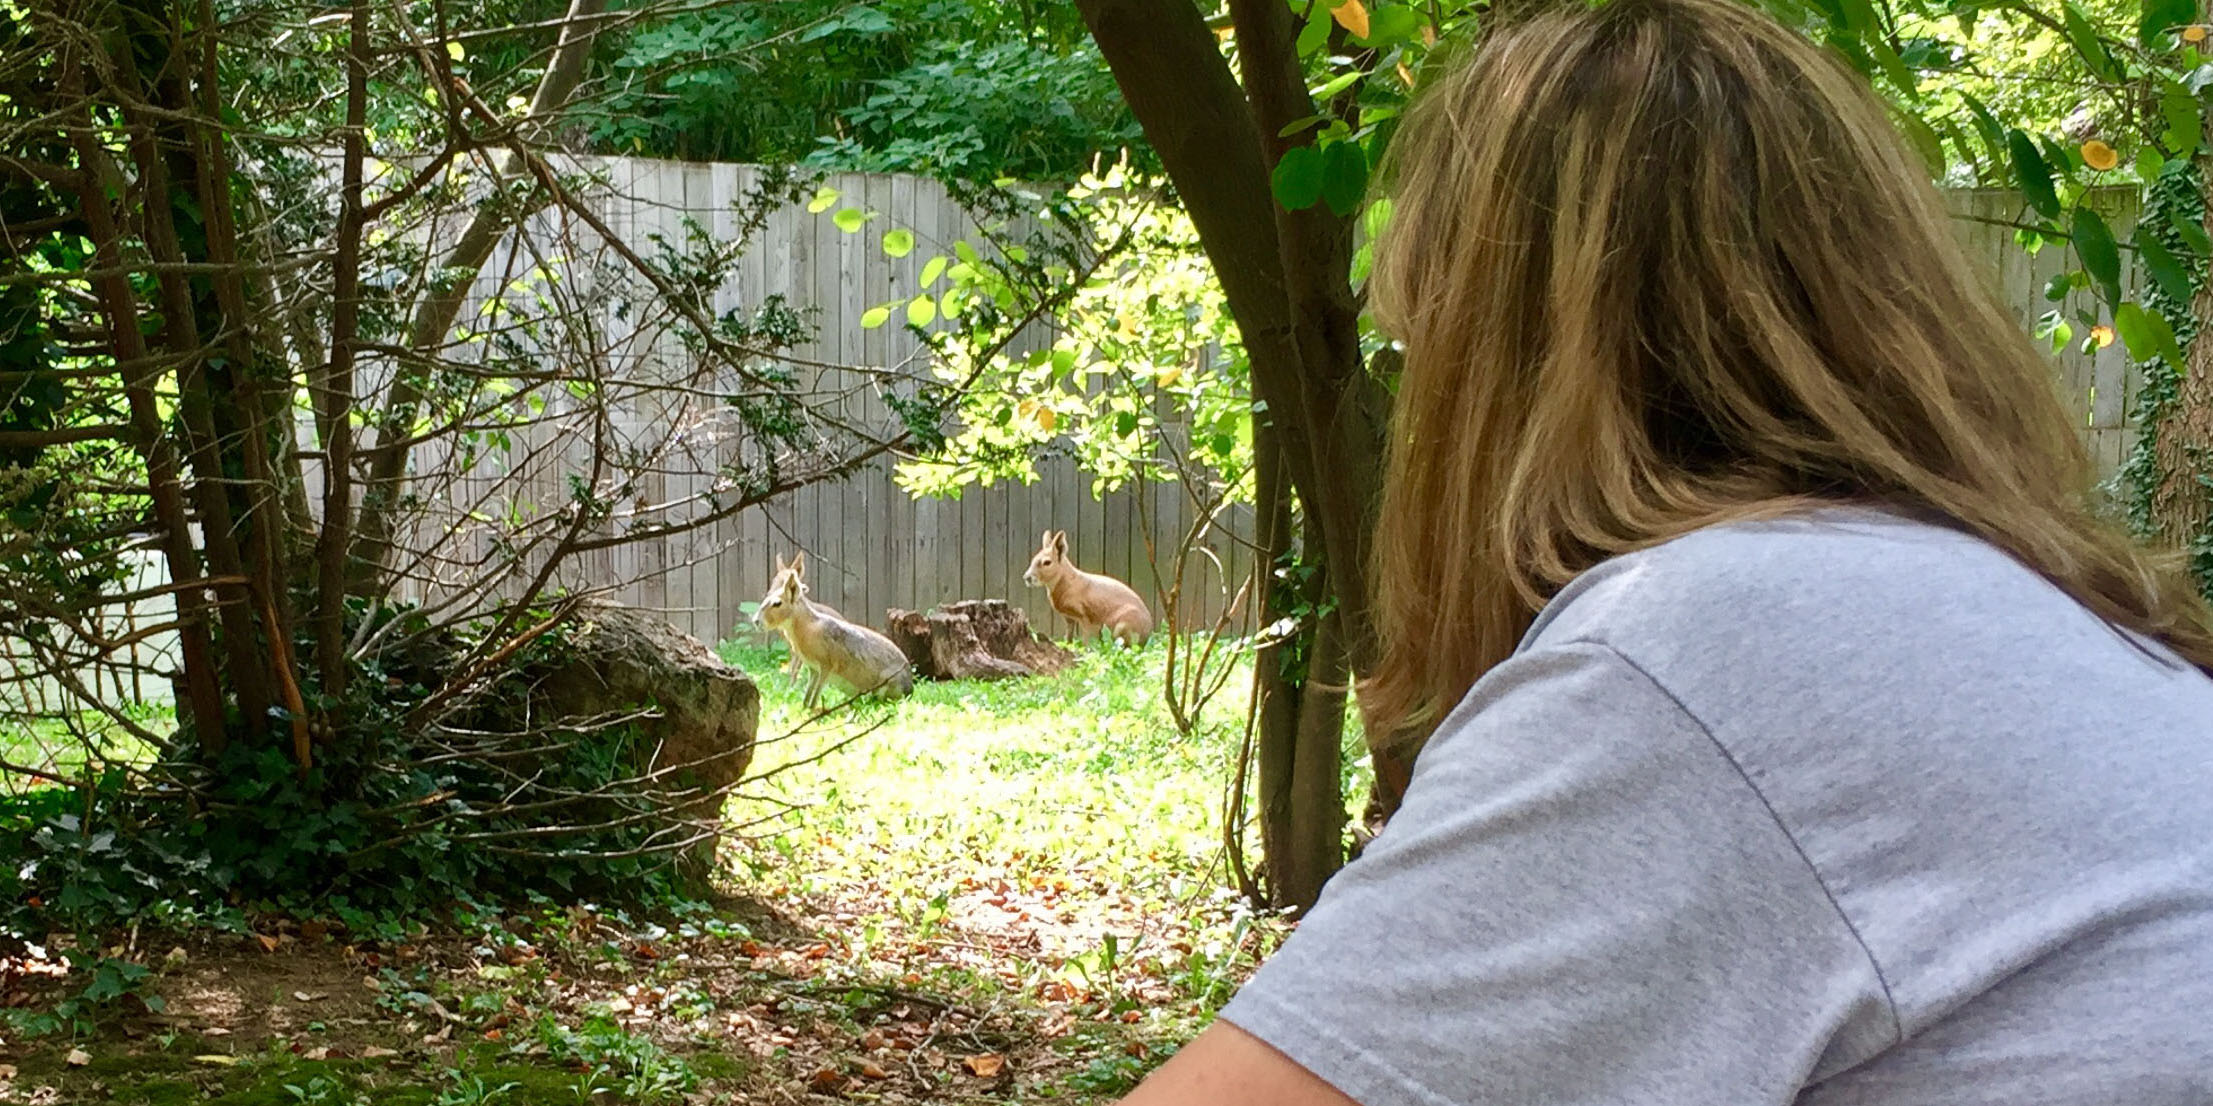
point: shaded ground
(1004, 893)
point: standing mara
(854, 655)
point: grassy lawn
(988, 892)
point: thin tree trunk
(335, 397)
(202, 693)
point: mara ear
(799, 563)
(1060, 542)
(1045, 540)
(779, 565)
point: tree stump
(975, 639)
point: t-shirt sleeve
(1581, 900)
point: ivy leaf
(2101, 256)
(1344, 177)
(875, 317)
(2055, 290)
(921, 311)
(2160, 17)
(823, 198)
(2033, 175)
(851, 219)
(933, 269)
(2160, 263)
(1297, 179)
(898, 243)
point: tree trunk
(1299, 687)
(1287, 279)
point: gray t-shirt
(1834, 809)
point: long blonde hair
(1664, 263)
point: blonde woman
(1796, 733)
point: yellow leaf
(1047, 419)
(2099, 156)
(1166, 378)
(1405, 75)
(1352, 15)
(2194, 33)
(2102, 334)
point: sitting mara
(1086, 598)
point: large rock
(706, 713)
(975, 639)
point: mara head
(1052, 554)
(1657, 264)
(787, 588)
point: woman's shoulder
(1834, 603)
(1814, 570)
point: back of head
(1663, 263)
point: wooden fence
(872, 547)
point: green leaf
(921, 311)
(2101, 256)
(1394, 26)
(1986, 124)
(2193, 235)
(2161, 17)
(1344, 177)
(851, 219)
(1925, 142)
(933, 269)
(1297, 125)
(1064, 362)
(823, 198)
(1315, 35)
(967, 253)
(1328, 90)
(2084, 38)
(898, 243)
(2147, 335)
(2161, 265)
(2184, 121)
(875, 317)
(1297, 179)
(2055, 289)
(2034, 177)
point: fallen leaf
(7, 1072)
(217, 1059)
(319, 1052)
(870, 1069)
(984, 1066)
(268, 944)
(378, 1052)
(303, 996)
(78, 1058)
(826, 1080)
(215, 1031)
(1352, 16)
(873, 1039)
